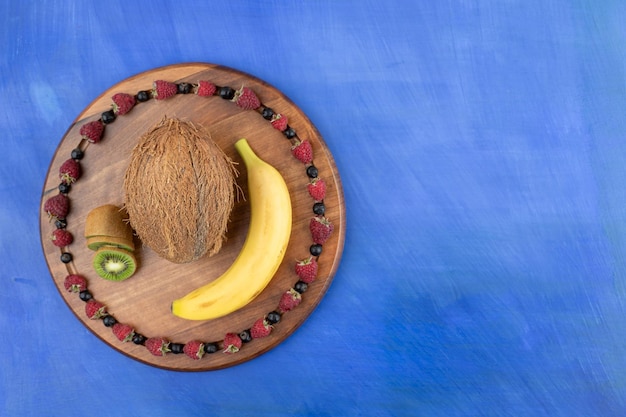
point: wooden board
(144, 300)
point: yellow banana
(262, 252)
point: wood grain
(144, 300)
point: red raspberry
(194, 349)
(246, 99)
(69, 171)
(123, 332)
(306, 269)
(94, 309)
(57, 207)
(92, 131)
(62, 238)
(289, 300)
(321, 229)
(164, 89)
(123, 103)
(205, 89)
(317, 189)
(75, 283)
(260, 328)
(158, 346)
(279, 122)
(232, 343)
(303, 151)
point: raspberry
(289, 300)
(194, 349)
(246, 99)
(321, 229)
(279, 122)
(158, 346)
(95, 309)
(306, 269)
(317, 189)
(123, 103)
(69, 172)
(260, 328)
(303, 151)
(164, 89)
(232, 343)
(57, 207)
(62, 238)
(92, 131)
(75, 283)
(205, 89)
(123, 332)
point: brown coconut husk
(179, 191)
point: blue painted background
(482, 151)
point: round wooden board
(144, 300)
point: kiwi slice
(96, 242)
(108, 225)
(114, 264)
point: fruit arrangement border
(57, 208)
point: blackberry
(177, 347)
(184, 88)
(311, 171)
(139, 339)
(108, 117)
(66, 257)
(109, 320)
(85, 295)
(143, 95)
(245, 336)
(301, 287)
(226, 93)
(273, 317)
(315, 249)
(319, 209)
(267, 113)
(77, 154)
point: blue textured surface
(481, 148)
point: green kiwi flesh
(114, 264)
(96, 242)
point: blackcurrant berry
(109, 321)
(139, 339)
(210, 347)
(143, 95)
(177, 347)
(108, 117)
(245, 336)
(60, 223)
(226, 93)
(85, 295)
(77, 154)
(184, 88)
(66, 257)
(64, 188)
(301, 287)
(290, 133)
(319, 209)
(311, 171)
(273, 317)
(267, 113)
(315, 249)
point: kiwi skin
(114, 263)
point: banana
(262, 252)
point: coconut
(179, 191)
